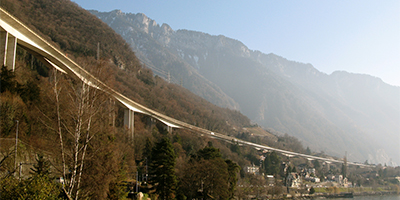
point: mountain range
(336, 113)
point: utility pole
(137, 181)
(20, 169)
(16, 146)
(147, 173)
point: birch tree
(57, 90)
(79, 110)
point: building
(252, 169)
(270, 180)
(339, 179)
(294, 180)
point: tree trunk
(57, 95)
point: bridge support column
(169, 129)
(8, 49)
(3, 46)
(129, 122)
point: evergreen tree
(163, 169)
(272, 164)
(208, 153)
(312, 190)
(147, 150)
(207, 175)
(7, 80)
(42, 167)
(146, 159)
(344, 170)
(233, 170)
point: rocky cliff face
(332, 113)
(150, 41)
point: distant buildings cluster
(296, 179)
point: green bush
(37, 187)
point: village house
(252, 169)
(294, 180)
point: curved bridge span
(13, 33)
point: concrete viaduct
(13, 33)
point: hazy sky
(356, 36)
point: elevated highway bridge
(13, 33)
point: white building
(294, 180)
(252, 169)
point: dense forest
(72, 133)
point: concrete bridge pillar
(3, 46)
(8, 49)
(129, 122)
(169, 129)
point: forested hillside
(74, 133)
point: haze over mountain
(333, 113)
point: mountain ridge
(174, 65)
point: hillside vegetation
(69, 130)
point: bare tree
(57, 90)
(87, 102)
(78, 109)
